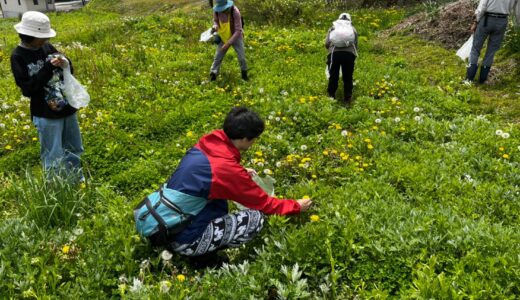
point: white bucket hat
(345, 16)
(35, 24)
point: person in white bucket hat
(38, 70)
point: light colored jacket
(505, 7)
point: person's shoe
(347, 100)
(212, 76)
(484, 72)
(471, 71)
(208, 260)
(244, 75)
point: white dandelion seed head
(397, 120)
(277, 119)
(303, 147)
(279, 137)
(166, 255)
(260, 164)
(268, 172)
(344, 133)
(2, 125)
(417, 118)
(279, 164)
(136, 286)
(416, 109)
(83, 116)
(505, 135)
(261, 90)
(499, 132)
(378, 121)
(270, 117)
(164, 286)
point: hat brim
(37, 34)
(221, 8)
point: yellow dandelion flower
(314, 176)
(315, 218)
(501, 149)
(181, 278)
(189, 133)
(367, 141)
(350, 146)
(65, 249)
(506, 156)
(306, 197)
(83, 186)
(259, 153)
(325, 152)
(370, 147)
(34, 139)
(334, 152)
(8, 147)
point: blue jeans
(60, 144)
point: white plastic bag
(74, 92)
(465, 50)
(207, 36)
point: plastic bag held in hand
(207, 36)
(464, 51)
(75, 93)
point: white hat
(35, 24)
(345, 16)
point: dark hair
(243, 123)
(26, 38)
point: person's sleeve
(30, 85)
(236, 184)
(481, 9)
(215, 20)
(516, 12)
(237, 23)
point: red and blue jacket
(212, 170)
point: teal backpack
(164, 213)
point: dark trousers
(345, 61)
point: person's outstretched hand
(305, 204)
(473, 27)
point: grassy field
(416, 185)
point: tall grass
(52, 201)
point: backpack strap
(151, 209)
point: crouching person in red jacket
(211, 170)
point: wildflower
(306, 197)
(8, 147)
(499, 132)
(181, 278)
(303, 147)
(166, 255)
(164, 286)
(260, 164)
(505, 135)
(65, 249)
(417, 118)
(325, 152)
(416, 109)
(82, 186)
(315, 218)
(367, 141)
(259, 153)
(344, 133)
(279, 137)
(83, 116)
(268, 172)
(2, 125)
(501, 149)
(350, 146)
(278, 164)
(370, 147)
(378, 121)
(505, 155)
(261, 90)
(137, 285)
(314, 176)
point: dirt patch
(448, 25)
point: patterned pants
(231, 230)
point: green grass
(417, 195)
